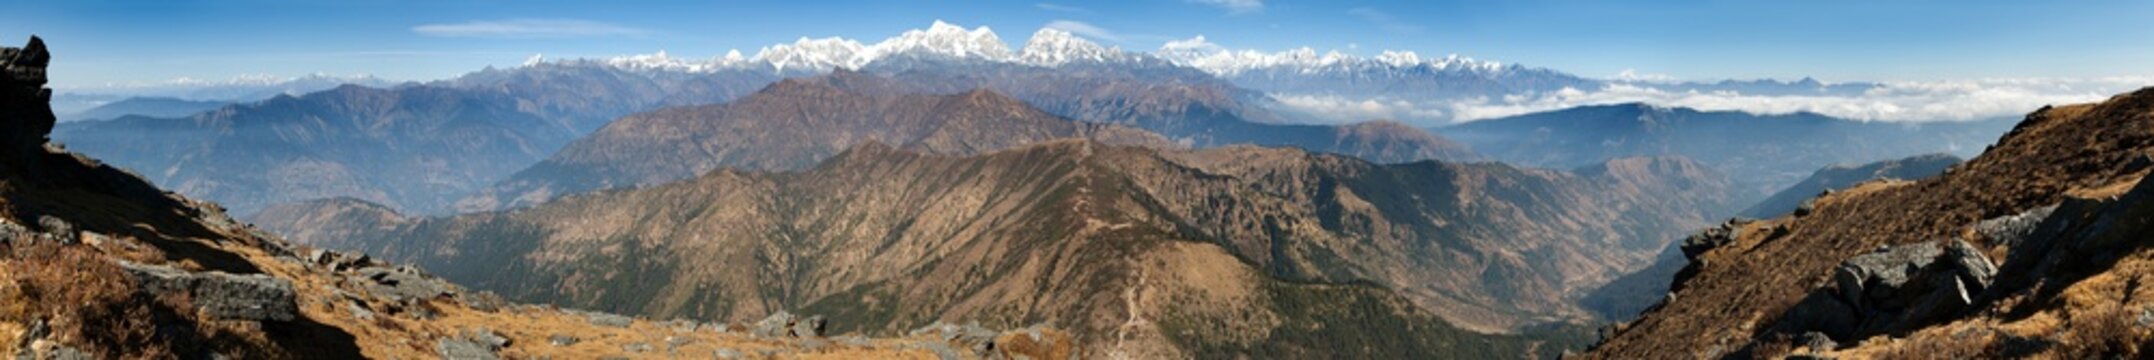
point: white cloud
(1062, 8)
(1892, 101)
(1632, 75)
(527, 29)
(1081, 28)
(1195, 44)
(1338, 109)
(1384, 20)
(1233, 6)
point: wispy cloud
(1234, 6)
(528, 29)
(1062, 8)
(1082, 28)
(1384, 20)
(1891, 101)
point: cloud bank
(1891, 101)
(527, 29)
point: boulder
(563, 340)
(2012, 230)
(609, 320)
(58, 230)
(1893, 289)
(811, 327)
(464, 349)
(775, 325)
(402, 284)
(225, 296)
(1714, 237)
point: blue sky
(101, 41)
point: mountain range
(1771, 151)
(395, 146)
(919, 236)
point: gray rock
(10, 231)
(319, 257)
(2146, 318)
(243, 297)
(359, 311)
(483, 301)
(2012, 230)
(729, 354)
(714, 327)
(402, 284)
(462, 349)
(1816, 341)
(638, 348)
(1714, 237)
(775, 325)
(609, 320)
(342, 262)
(1893, 289)
(563, 340)
(59, 230)
(488, 337)
(811, 327)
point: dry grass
(87, 301)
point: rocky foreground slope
(2036, 248)
(97, 263)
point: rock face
(225, 296)
(22, 76)
(1894, 290)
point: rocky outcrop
(1893, 290)
(22, 76)
(224, 296)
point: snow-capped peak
(815, 54)
(1202, 54)
(944, 39)
(1052, 47)
(1398, 58)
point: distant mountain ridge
(163, 107)
(1773, 151)
(791, 125)
(1841, 177)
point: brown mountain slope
(1189, 106)
(1054, 232)
(97, 263)
(2066, 286)
(790, 125)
